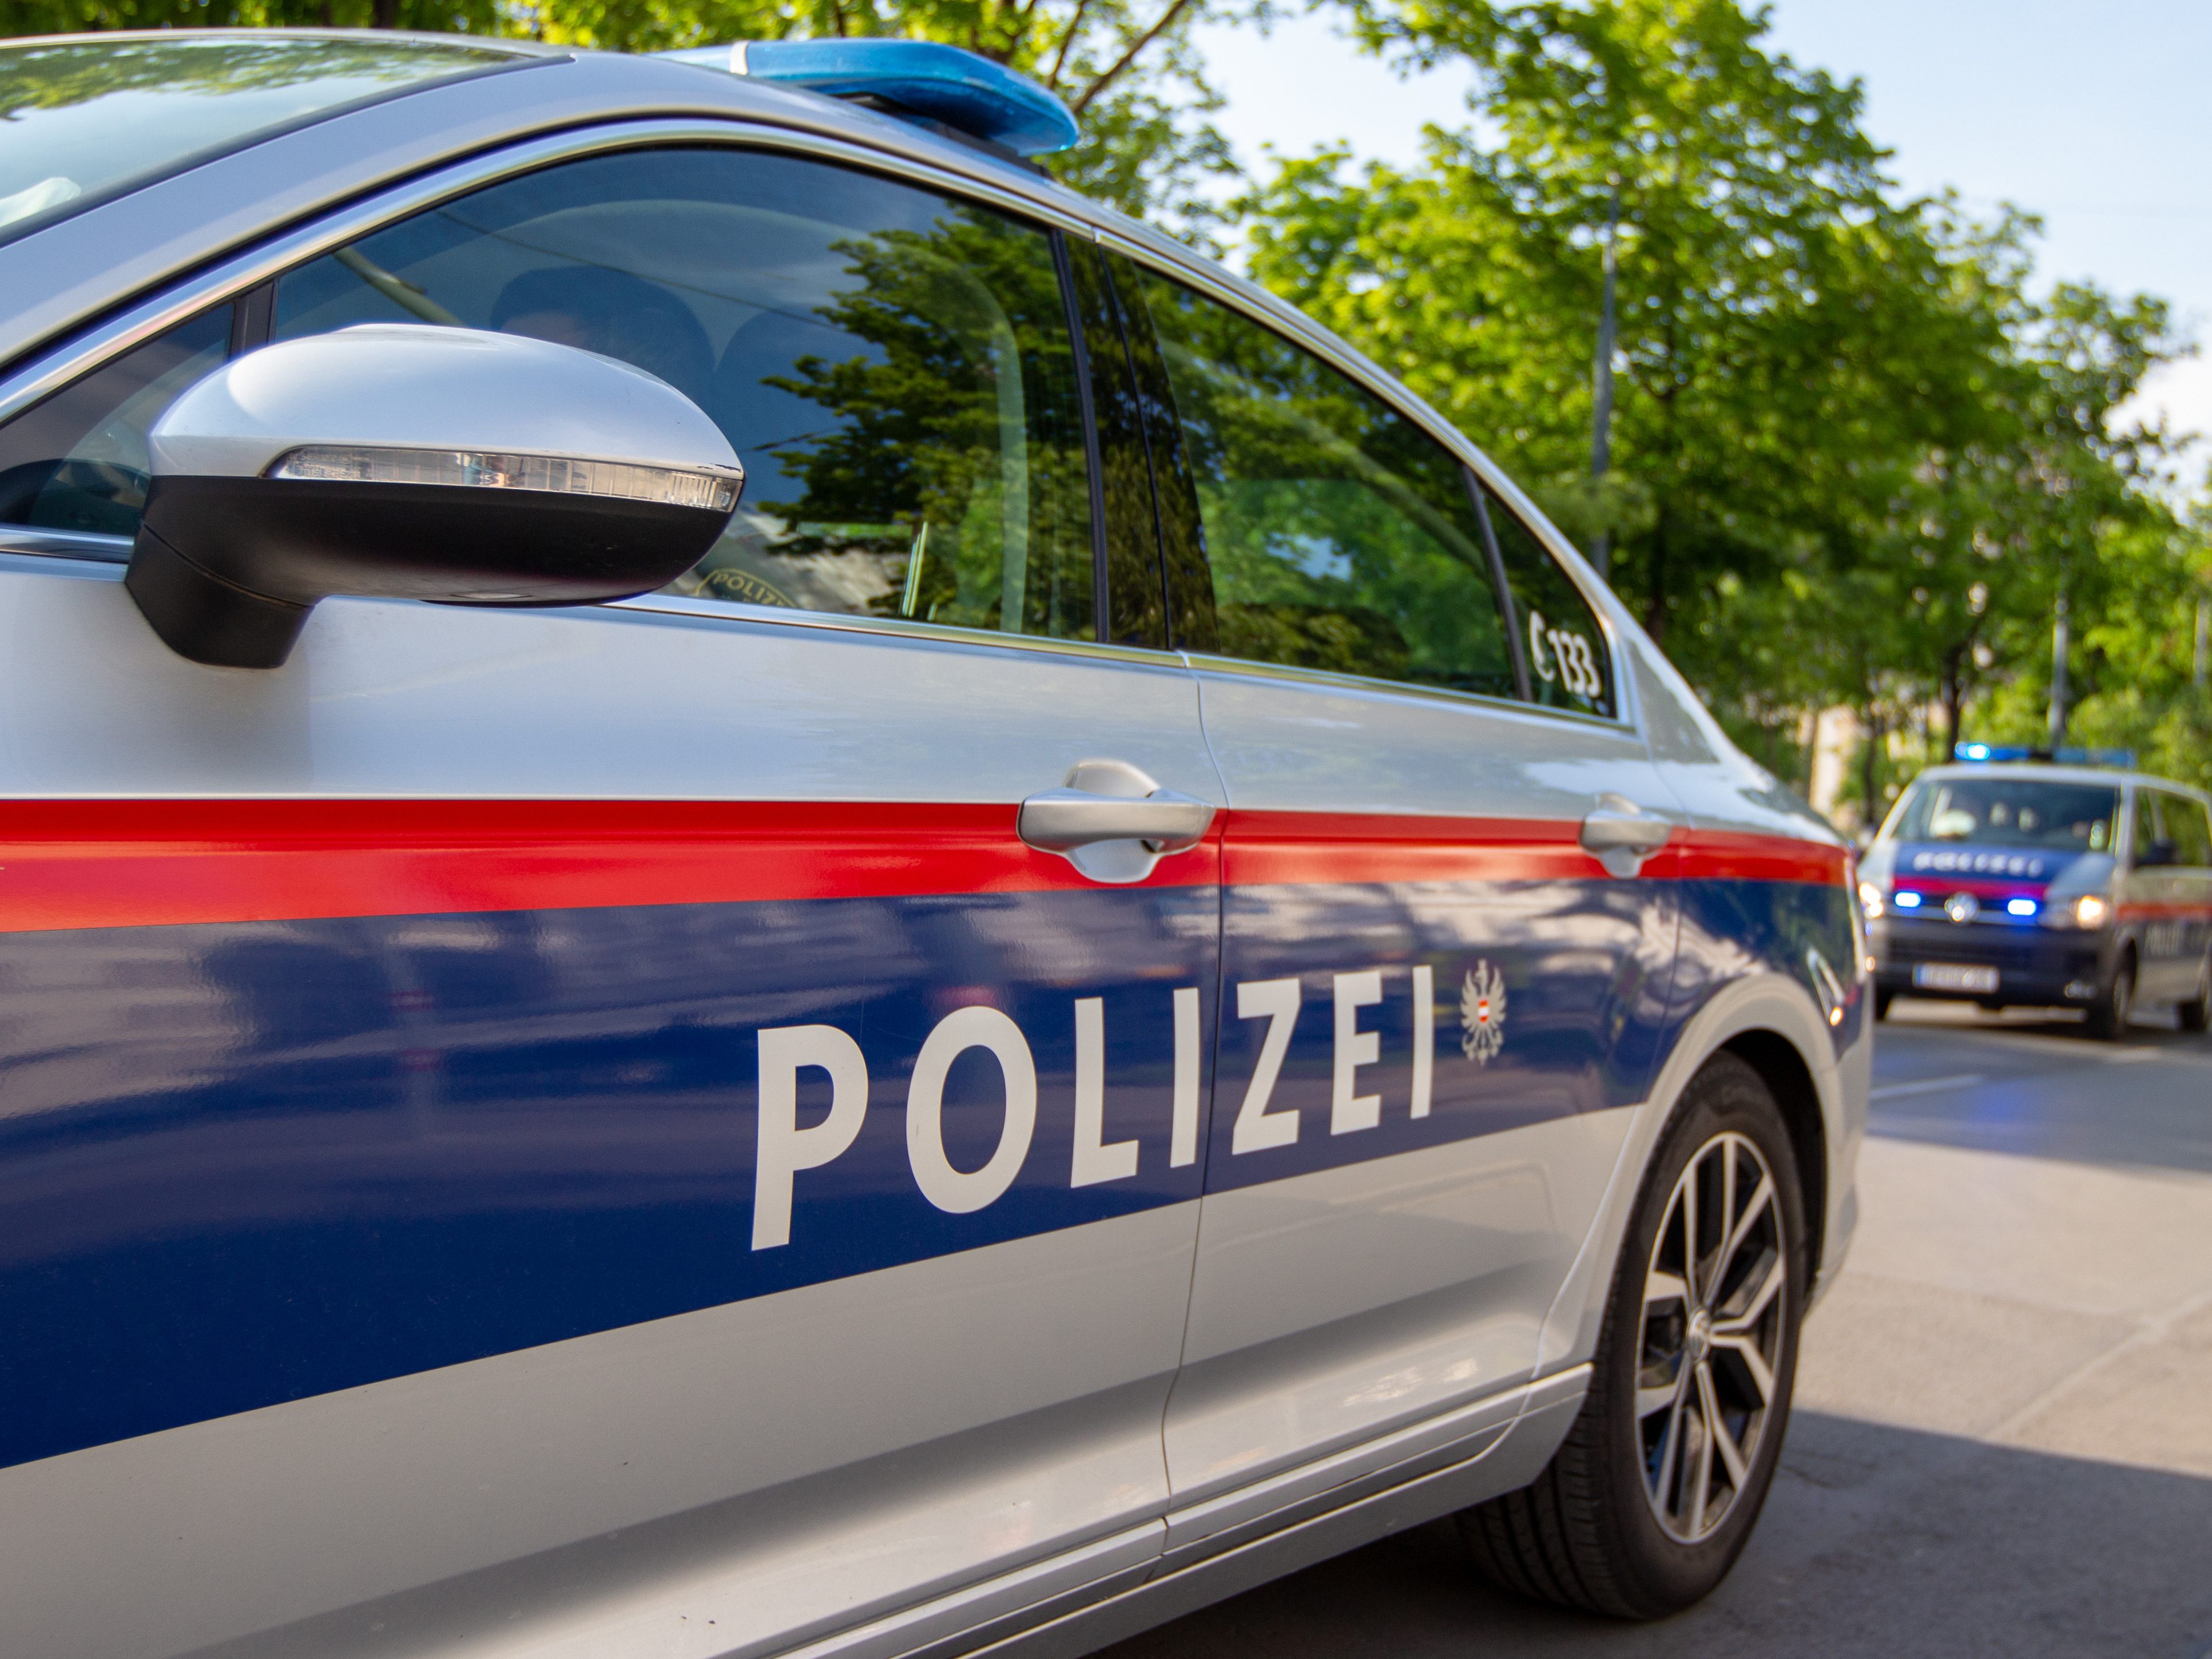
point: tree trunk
(1601, 548)
(1954, 696)
(1870, 767)
(385, 14)
(1655, 597)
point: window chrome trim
(1332, 678)
(66, 543)
(738, 610)
(135, 325)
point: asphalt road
(2003, 1441)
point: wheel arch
(1771, 1021)
(1789, 1080)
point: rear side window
(1557, 633)
(2185, 824)
(894, 367)
(1339, 536)
(2191, 830)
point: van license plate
(1954, 976)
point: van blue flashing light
(2020, 907)
(2125, 759)
(970, 93)
(1907, 900)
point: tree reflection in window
(1340, 536)
(923, 444)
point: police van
(762, 891)
(2013, 882)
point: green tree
(1854, 461)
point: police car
(762, 891)
(2010, 881)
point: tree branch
(1175, 9)
(1020, 26)
(1060, 57)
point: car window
(1192, 623)
(1569, 666)
(2148, 831)
(2003, 812)
(1339, 535)
(1136, 597)
(2182, 820)
(78, 461)
(893, 366)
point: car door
(2149, 892)
(1437, 1005)
(597, 1120)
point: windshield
(81, 120)
(2071, 817)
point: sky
(2093, 117)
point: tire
(1881, 1000)
(2197, 1012)
(2115, 1004)
(1589, 1535)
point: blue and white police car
(2010, 881)
(762, 891)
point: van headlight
(1872, 902)
(2088, 911)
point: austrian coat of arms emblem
(1482, 1013)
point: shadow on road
(1876, 1540)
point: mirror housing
(414, 461)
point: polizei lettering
(793, 1142)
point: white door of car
(600, 1111)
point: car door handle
(1622, 835)
(1062, 820)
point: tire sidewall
(1726, 1095)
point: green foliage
(1855, 459)
(962, 421)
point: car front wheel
(2109, 1014)
(1653, 1495)
(2197, 1012)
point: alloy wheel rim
(1708, 1346)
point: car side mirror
(2156, 853)
(412, 461)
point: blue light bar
(1907, 900)
(2125, 759)
(2020, 907)
(970, 93)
